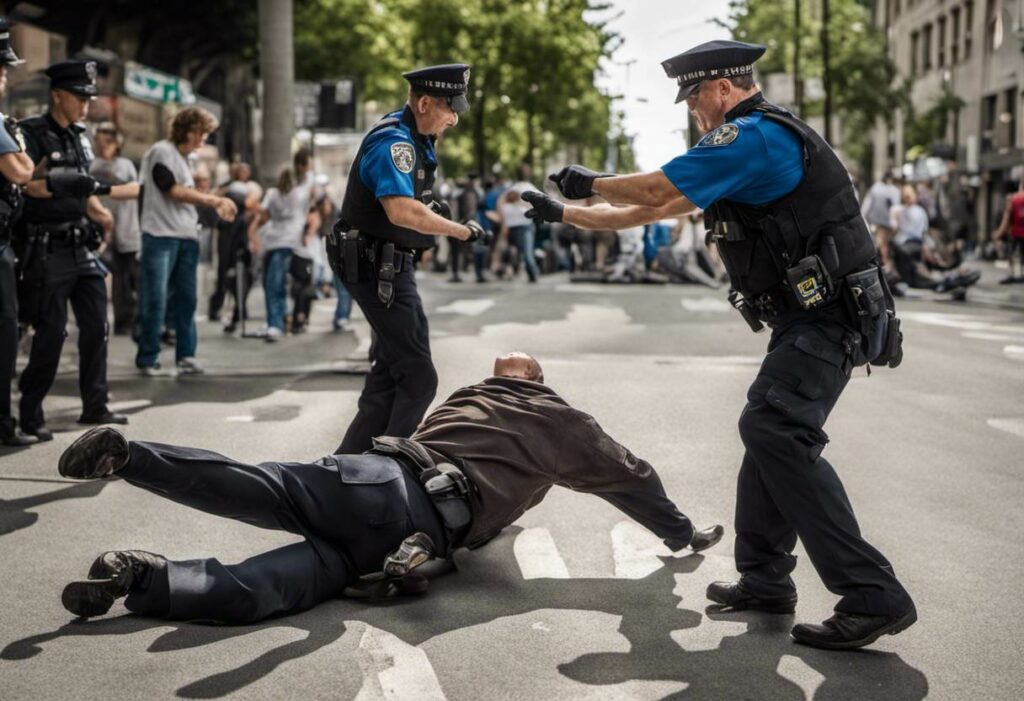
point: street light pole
(826, 76)
(277, 70)
(798, 83)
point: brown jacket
(514, 439)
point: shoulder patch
(403, 156)
(721, 136)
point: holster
(31, 250)
(386, 274)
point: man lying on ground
(475, 464)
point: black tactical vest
(66, 150)
(758, 243)
(363, 211)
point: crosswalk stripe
(538, 556)
(636, 551)
(393, 670)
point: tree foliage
(864, 86)
(533, 68)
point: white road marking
(467, 307)
(708, 635)
(793, 669)
(393, 669)
(1014, 426)
(705, 304)
(1016, 352)
(635, 551)
(241, 419)
(538, 556)
(1003, 338)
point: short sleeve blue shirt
(385, 168)
(750, 160)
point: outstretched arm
(648, 189)
(605, 216)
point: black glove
(75, 185)
(544, 208)
(576, 182)
(15, 131)
(441, 208)
(478, 234)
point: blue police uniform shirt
(379, 168)
(7, 142)
(750, 160)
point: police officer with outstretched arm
(782, 210)
(61, 227)
(387, 218)
(15, 170)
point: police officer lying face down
(387, 218)
(512, 437)
(783, 212)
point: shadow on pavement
(15, 514)
(489, 586)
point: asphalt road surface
(575, 601)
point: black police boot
(705, 538)
(41, 433)
(734, 597)
(111, 576)
(104, 417)
(99, 452)
(848, 631)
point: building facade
(966, 49)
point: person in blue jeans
(284, 217)
(343, 309)
(170, 240)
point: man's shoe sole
(104, 456)
(897, 625)
(88, 599)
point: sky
(653, 31)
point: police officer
(62, 225)
(15, 170)
(783, 212)
(388, 217)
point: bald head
(518, 365)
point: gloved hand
(544, 208)
(576, 182)
(478, 234)
(441, 208)
(15, 131)
(75, 185)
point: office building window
(988, 122)
(926, 48)
(1009, 116)
(954, 38)
(940, 41)
(915, 41)
(968, 28)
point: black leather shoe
(848, 631)
(107, 417)
(734, 597)
(110, 577)
(41, 433)
(99, 452)
(15, 438)
(378, 587)
(704, 539)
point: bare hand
(226, 209)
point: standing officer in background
(387, 217)
(784, 214)
(15, 170)
(62, 226)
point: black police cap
(711, 60)
(7, 55)
(77, 77)
(450, 80)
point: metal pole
(277, 70)
(826, 77)
(798, 83)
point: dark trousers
(787, 490)
(67, 281)
(124, 289)
(402, 381)
(227, 280)
(351, 518)
(8, 335)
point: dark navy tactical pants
(787, 490)
(402, 381)
(351, 511)
(67, 280)
(8, 334)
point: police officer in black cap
(15, 170)
(782, 210)
(62, 225)
(387, 218)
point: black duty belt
(59, 231)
